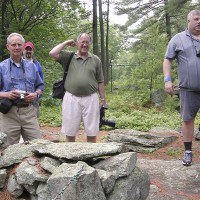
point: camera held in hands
(103, 121)
(21, 93)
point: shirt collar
(188, 32)
(77, 56)
(11, 60)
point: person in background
(21, 83)
(185, 48)
(28, 55)
(0, 121)
(84, 80)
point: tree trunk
(4, 29)
(102, 40)
(95, 29)
(107, 40)
(167, 21)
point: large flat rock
(139, 141)
(170, 180)
(80, 151)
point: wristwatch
(37, 94)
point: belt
(189, 90)
(22, 105)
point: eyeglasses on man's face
(84, 42)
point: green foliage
(130, 113)
(146, 13)
(50, 115)
(115, 43)
(136, 66)
(174, 152)
(125, 108)
(45, 23)
(144, 65)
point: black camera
(103, 121)
(197, 52)
(5, 105)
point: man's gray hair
(15, 34)
(84, 34)
(193, 12)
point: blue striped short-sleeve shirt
(184, 48)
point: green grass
(50, 115)
(174, 152)
(125, 108)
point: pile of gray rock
(138, 141)
(44, 170)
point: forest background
(132, 54)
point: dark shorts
(189, 104)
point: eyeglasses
(85, 42)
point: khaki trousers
(21, 122)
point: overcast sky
(115, 19)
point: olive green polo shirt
(83, 75)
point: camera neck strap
(192, 40)
(24, 74)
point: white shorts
(76, 109)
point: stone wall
(43, 170)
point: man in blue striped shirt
(21, 83)
(185, 48)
